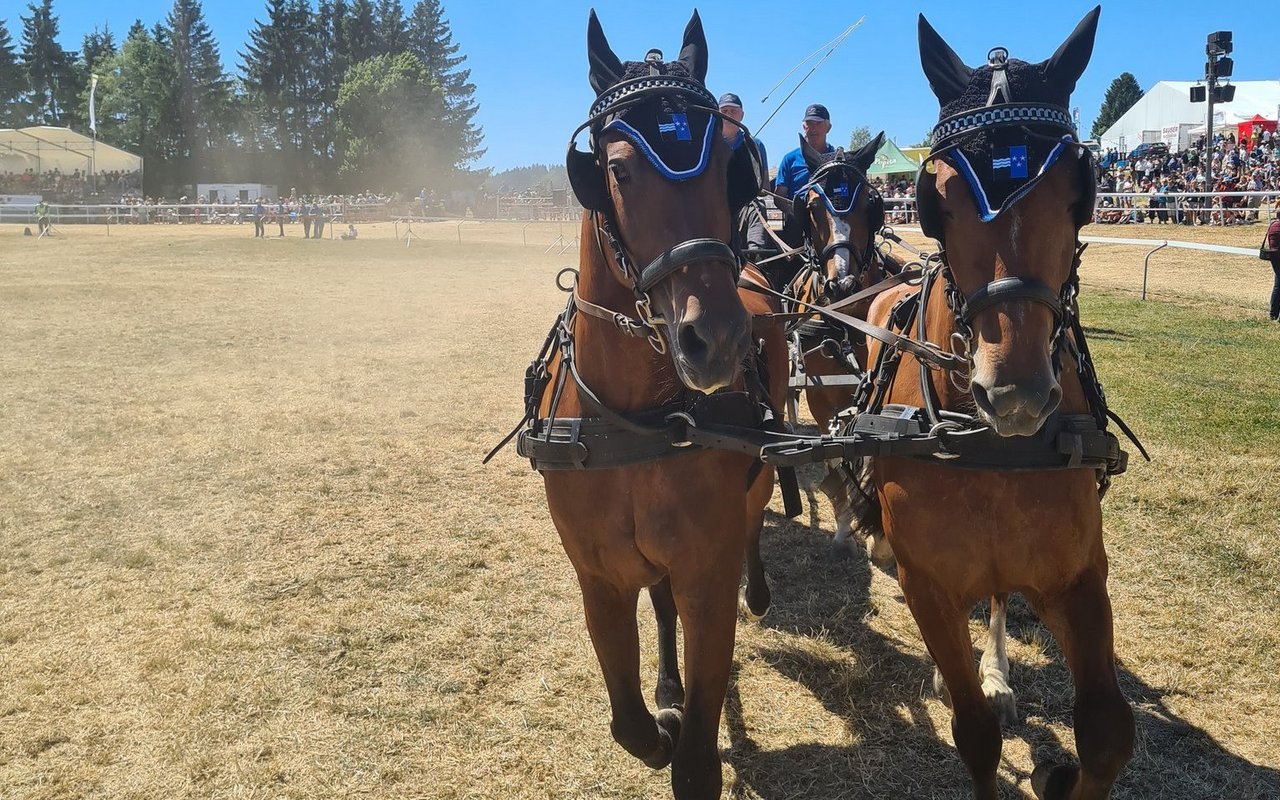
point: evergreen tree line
(345, 95)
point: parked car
(1150, 150)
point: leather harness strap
(925, 352)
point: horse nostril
(692, 346)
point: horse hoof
(940, 688)
(842, 546)
(744, 605)
(1004, 703)
(1053, 781)
(880, 553)
(668, 720)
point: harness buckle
(652, 322)
(687, 419)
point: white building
(1166, 109)
(231, 192)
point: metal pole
(1145, 263)
(1208, 124)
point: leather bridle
(688, 95)
(861, 259)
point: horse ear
(948, 76)
(1065, 67)
(693, 53)
(606, 68)
(866, 155)
(812, 158)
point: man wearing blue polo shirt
(793, 173)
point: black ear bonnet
(673, 121)
(840, 181)
(1006, 129)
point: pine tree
(431, 40)
(332, 60)
(392, 33)
(46, 66)
(11, 81)
(272, 71)
(134, 90)
(361, 32)
(1121, 95)
(98, 46)
(202, 94)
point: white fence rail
(1154, 246)
(1125, 207)
(181, 213)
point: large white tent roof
(43, 148)
(1169, 103)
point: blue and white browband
(680, 131)
(1016, 163)
(844, 210)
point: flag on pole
(93, 117)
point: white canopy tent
(44, 149)
(1168, 104)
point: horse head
(839, 211)
(1005, 189)
(662, 177)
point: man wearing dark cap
(731, 107)
(750, 223)
(792, 171)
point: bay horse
(839, 214)
(1005, 190)
(660, 187)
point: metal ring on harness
(560, 284)
(938, 430)
(688, 421)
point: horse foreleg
(1080, 619)
(851, 491)
(755, 598)
(993, 671)
(974, 726)
(706, 601)
(669, 691)
(994, 668)
(611, 621)
(840, 493)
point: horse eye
(619, 172)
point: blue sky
(528, 59)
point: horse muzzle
(708, 350)
(1017, 409)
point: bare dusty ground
(247, 548)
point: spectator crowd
(56, 186)
(1245, 165)
(1249, 165)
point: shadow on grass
(1107, 334)
(895, 750)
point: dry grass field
(247, 548)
